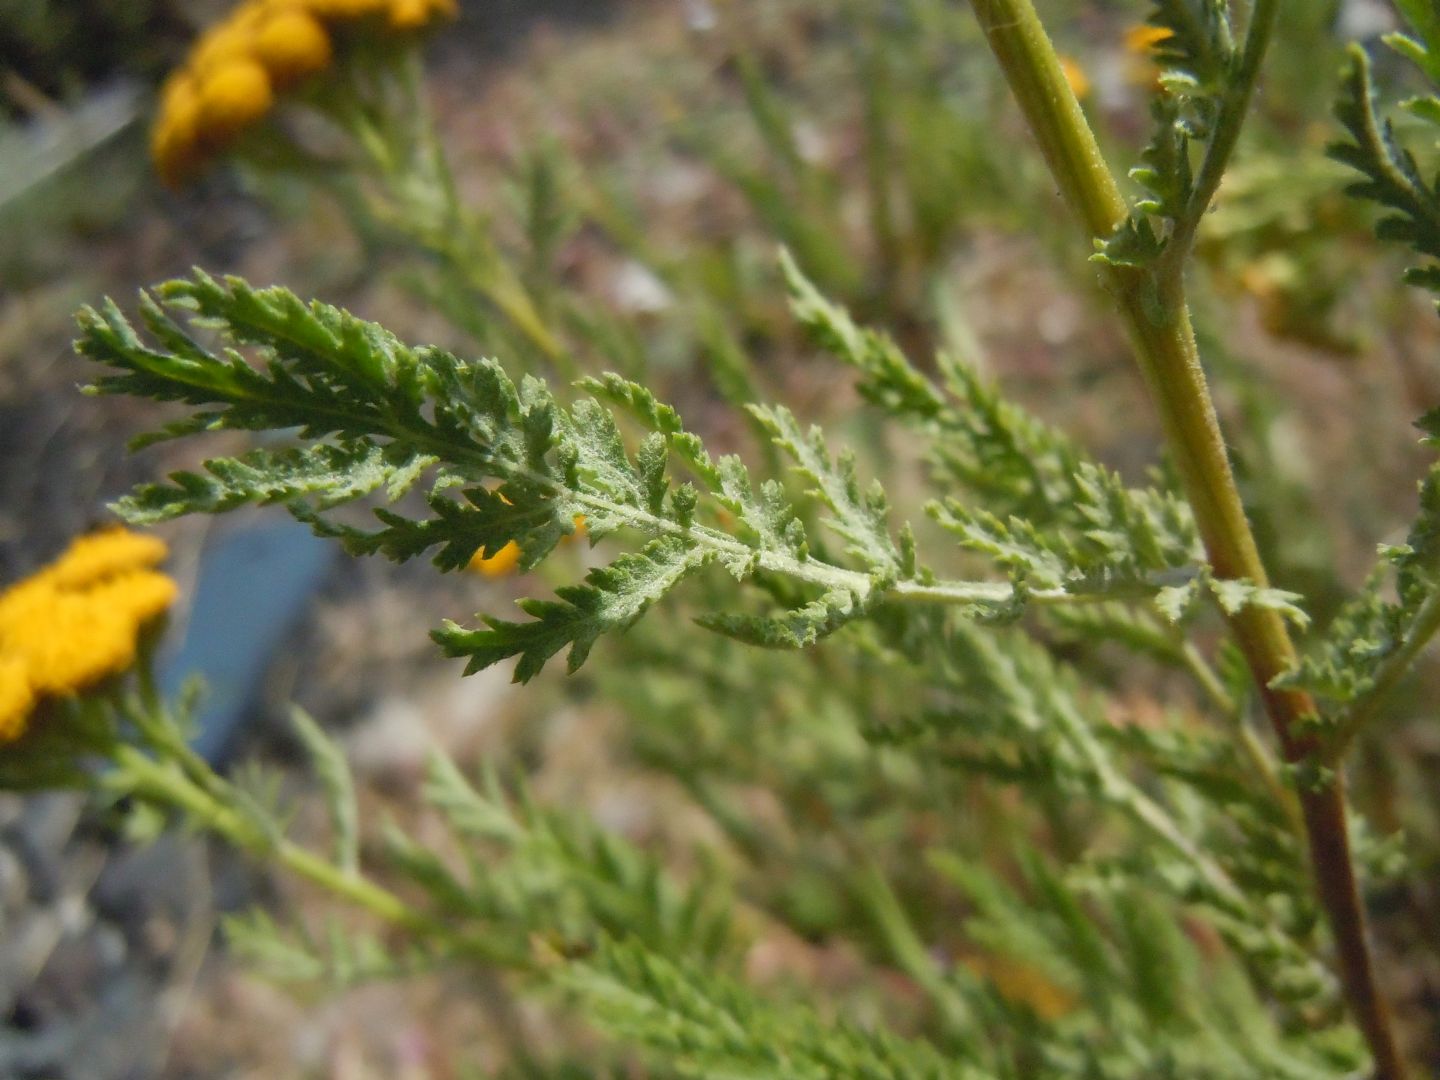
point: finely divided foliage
(999, 704)
(1206, 74)
(1393, 177)
(1174, 932)
(1194, 60)
(1373, 640)
(380, 415)
(496, 461)
(712, 1026)
(1025, 494)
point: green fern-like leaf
(1044, 511)
(1392, 176)
(1373, 640)
(611, 599)
(536, 870)
(1199, 45)
(721, 1028)
(1371, 631)
(499, 462)
(1198, 82)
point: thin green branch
(1119, 791)
(167, 785)
(808, 570)
(1233, 109)
(429, 214)
(1363, 711)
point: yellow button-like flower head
(140, 595)
(17, 698)
(77, 621)
(415, 14)
(91, 559)
(347, 10)
(79, 643)
(24, 604)
(232, 97)
(224, 44)
(175, 140)
(231, 77)
(292, 45)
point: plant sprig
(498, 462)
(1204, 90)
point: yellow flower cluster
(77, 621)
(233, 74)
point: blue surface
(255, 584)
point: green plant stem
(168, 785)
(465, 244)
(1157, 322)
(478, 264)
(1032, 69)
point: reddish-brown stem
(1333, 866)
(1156, 316)
(1171, 365)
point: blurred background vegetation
(635, 165)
